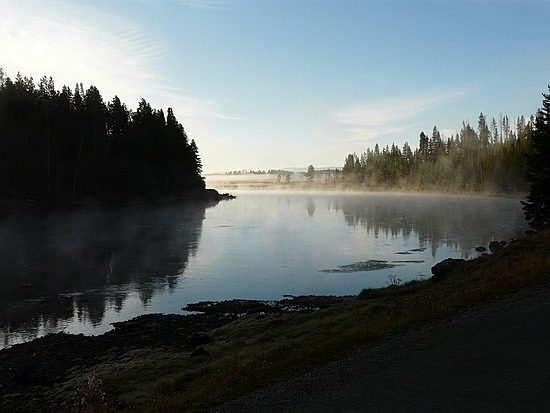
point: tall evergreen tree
(494, 132)
(537, 207)
(483, 131)
(423, 146)
(57, 143)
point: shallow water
(80, 271)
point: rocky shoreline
(43, 375)
(70, 201)
(32, 374)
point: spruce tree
(57, 143)
(537, 207)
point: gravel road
(492, 357)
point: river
(80, 271)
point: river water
(80, 271)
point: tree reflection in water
(461, 222)
(58, 265)
(81, 270)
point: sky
(279, 84)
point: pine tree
(483, 131)
(423, 146)
(494, 132)
(537, 207)
(57, 143)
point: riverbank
(195, 362)
(70, 201)
(490, 357)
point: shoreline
(29, 370)
(70, 201)
(150, 353)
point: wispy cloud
(207, 4)
(395, 110)
(79, 43)
(370, 134)
(392, 115)
(76, 43)
(190, 106)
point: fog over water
(79, 271)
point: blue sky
(284, 84)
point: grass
(258, 349)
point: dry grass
(257, 349)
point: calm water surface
(80, 271)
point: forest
(58, 143)
(490, 158)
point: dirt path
(494, 357)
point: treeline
(253, 172)
(489, 158)
(54, 143)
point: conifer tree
(537, 207)
(57, 143)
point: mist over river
(80, 271)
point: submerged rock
(236, 308)
(370, 265)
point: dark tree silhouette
(59, 143)
(537, 207)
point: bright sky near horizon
(284, 84)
